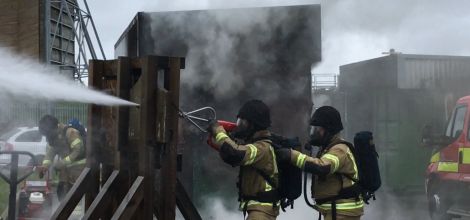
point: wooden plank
(162, 96)
(95, 80)
(122, 120)
(74, 196)
(168, 172)
(131, 201)
(185, 204)
(147, 132)
(123, 91)
(102, 200)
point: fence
(27, 114)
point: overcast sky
(353, 30)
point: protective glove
(41, 172)
(59, 165)
(283, 155)
(214, 128)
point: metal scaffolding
(70, 42)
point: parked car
(23, 139)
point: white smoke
(22, 78)
(385, 207)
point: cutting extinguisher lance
(193, 118)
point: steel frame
(77, 18)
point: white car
(23, 139)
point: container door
(450, 157)
(464, 150)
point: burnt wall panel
(234, 55)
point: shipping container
(233, 55)
(394, 97)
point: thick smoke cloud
(233, 56)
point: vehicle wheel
(439, 204)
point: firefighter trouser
(67, 177)
(341, 217)
(259, 215)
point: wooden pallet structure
(131, 168)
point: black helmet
(47, 124)
(257, 113)
(328, 118)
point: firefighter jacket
(68, 145)
(331, 168)
(256, 158)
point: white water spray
(24, 78)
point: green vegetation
(4, 192)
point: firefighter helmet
(257, 113)
(328, 118)
(47, 124)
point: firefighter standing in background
(258, 176)
(334, 167)
(68, 144)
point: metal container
(233, 55)
(395, 96)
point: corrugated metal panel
(376, 73)
(417, 71)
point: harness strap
(263, 197)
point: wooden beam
(122, 120)
(131, 201)
(168, 172)
(95, 80)
(147, 139)
(102, 201)
(75, 194)
(123, 91)
(185, 205)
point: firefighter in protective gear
(334, 168)
(251, 150)
(67, 143)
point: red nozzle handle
(228, 126)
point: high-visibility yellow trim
(46, 162)
(343, 206)
(274, 161)
(80, 162)
(268, 187)
(253, 152)
(448, 167)
(435, 157)
(301, 161)
(220, 137)
(351, 157)
(334, 159)
(75, 142)
(465, 152)
(253, 202)
(67, 160)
